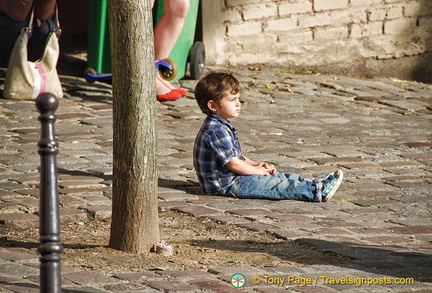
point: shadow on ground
(188, 187)
(390, 261)
(4, 242)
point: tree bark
(135, 225)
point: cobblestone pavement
(378, 131)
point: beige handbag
(25, 80)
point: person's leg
(169, 26)
(277, 187)
(167, 31)
(9, 32)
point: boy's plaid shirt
(215, 145)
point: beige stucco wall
(362, 37)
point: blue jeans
(277, 187)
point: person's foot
(331, 183)
(172, 95)
(166, 91)
(181, 91)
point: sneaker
(331, 183)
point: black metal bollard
(49, 229)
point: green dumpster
(98, 46)
(186, 50)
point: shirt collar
(219, 119)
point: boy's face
(228, 107)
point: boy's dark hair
(212, 87)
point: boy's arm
(249, 167)
(249, 161)
(269, 167)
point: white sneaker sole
(338, 173)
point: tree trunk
(135, 225)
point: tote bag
(25, 80)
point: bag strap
(29, 27)
(58, 29)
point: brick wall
(360, 37)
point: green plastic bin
(186, 50)
(98, 46)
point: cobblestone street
(378, 131)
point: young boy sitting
(222, 168)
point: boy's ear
(212, 105)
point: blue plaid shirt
(215, 145)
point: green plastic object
(99, 58)
(98, 50)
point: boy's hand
(269, 169)
(261, 170)
(249, 167)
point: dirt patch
(198, 243)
